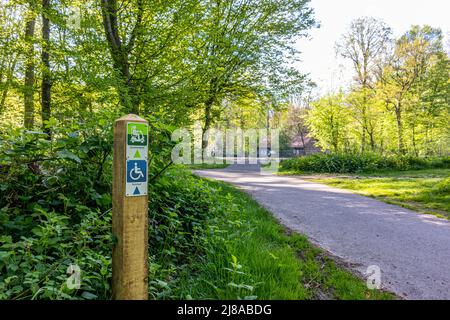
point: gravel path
(411, 249)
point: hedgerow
(354, 163)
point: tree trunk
(9, 78)
(3, 97)
(372, 140)
(208, 120)
(46, 76)
(119, 52)
(427, 140)
(414, 140)
(381, 143)
(2, 67)
(335, 146)
(363, 140)
(302, 136)
(398, 114)
(364, 120)
(29, 73)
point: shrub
(55, 211)
(353, 163)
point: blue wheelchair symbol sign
(136, 171)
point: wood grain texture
(129, 226)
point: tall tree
(120, 50)
(46, 71)
(432, 100)
(9, 48)
(30, 22)
(9, 77)
(296, 125)
(328, 120)
(406, 67)
(364, 44)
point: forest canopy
(170, 61)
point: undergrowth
(207, 240)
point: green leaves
(66, 154)
(88, 295)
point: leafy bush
(354, 163)
(55, 211)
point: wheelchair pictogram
(136, 171)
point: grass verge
(425, 191)
(249, 255)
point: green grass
(206, 166)
(421, 190)
(250, 255)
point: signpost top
(131, 117)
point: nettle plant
(54, 212)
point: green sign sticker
(137, 134)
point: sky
(318, 52)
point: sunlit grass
(412, 189)
(255, 257)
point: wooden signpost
(130, 205)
